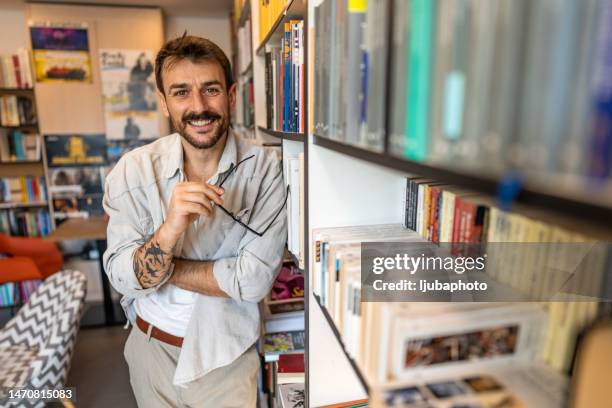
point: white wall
(216, 29)
(13, 32)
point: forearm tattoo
(151, 263)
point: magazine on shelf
(291, 395)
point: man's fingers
(197, 198)
(213, 196)
(218, 190)
(189, 207)
(211, 191)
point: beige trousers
(152, 364)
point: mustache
(206, 115)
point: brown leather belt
(159, 334)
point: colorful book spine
(601, 142)
(287, 78)
(419, 63)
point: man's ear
(162, 102)
(232, 95)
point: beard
(220, 127)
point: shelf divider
(296, 137)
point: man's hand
(153, 259)
(189, 200)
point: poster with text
(128, 89)
(61, 53)
(75, 150)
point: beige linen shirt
(136, 198)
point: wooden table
(90, 229)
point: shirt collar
(228, 159)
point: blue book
(18, 143)
(30, 189)
(601, 138)
(287, 97)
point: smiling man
(196, 237)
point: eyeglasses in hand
(231, 214)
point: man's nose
(199, 103)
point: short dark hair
(194, 49)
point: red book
(17, 69)
(36, 190)
(291, 363)
(434, 221)
(457, 220)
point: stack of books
(17, 111)
(285, 80)
(18, 146)
(16, 70)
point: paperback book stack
(535, 74)
(25, 222)
(413, 353)
(285, 80)
(18, 146)
(17, 293)
(16, 70)
(24, 190)
(350, 72)
(17, 111)
(442, 214)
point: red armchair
(30, 258)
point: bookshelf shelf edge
(296, 137)
(594, 211)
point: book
(291, 395)
(283, 342)
(291, 363)
(16, 70)
(16, 110)
(25, 222)
(23, 190)
(18, 146)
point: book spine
(287, 78)
(419, 54)
(415, 205)
(405, 203)
(456, 231)
(601, 139)
(269, 107)
(17, 70)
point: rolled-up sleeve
(250, 275)
(126, 232)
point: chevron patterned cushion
(36, 346)
(16, 362)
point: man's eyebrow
(184, 85)
(213, 82)
(178, 86)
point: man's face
(197, 101)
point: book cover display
(61, 52)
(76, 173)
